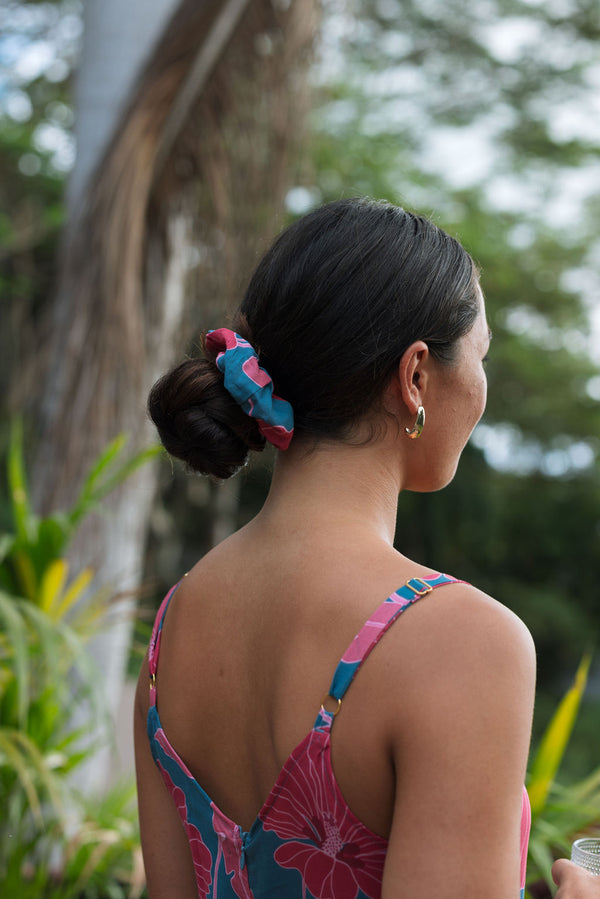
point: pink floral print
(200, 853)
(334, 852)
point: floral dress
(305, 841)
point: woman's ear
(413, 375)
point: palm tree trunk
(198, 156)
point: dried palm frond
(171, 195)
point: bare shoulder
(465, 650)
(463, 669)
(458, 618)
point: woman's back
(250, 645)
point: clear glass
(586, 854)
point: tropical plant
(32, 562)
(559, 813)
(44, 674)
(103, 860)
(54, 843)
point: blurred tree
(38, 43)
(183, 178)
(485, 114)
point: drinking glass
(586, 853)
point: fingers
(560, 869)
(574, 882)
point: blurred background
(149, 152)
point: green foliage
(53, 842)
(32, 562)
(103, 859)
(559, 813)
(553, 745)
(45, 674)
(35, 136)
(400, 85)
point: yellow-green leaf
(555, 739)
(53, 584)
(26, 575)
(75, 591)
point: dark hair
(330, 310)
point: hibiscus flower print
(200, 853)
(202, 860)
(336, 855)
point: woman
(410, 782)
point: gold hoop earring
(417, 430)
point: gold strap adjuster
(324, 700)
(426, 588)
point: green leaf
(53, 585)
(37, 769)
(105, 475)
(586, 788)
(555, 739)
(16, 632)
(24, 570)
(7, 542)
(24, 520)
(542, 858)
(53, 534)
(127, 469)
(48, 641)
(74, 592)
(9, 745)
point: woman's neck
(335, 485)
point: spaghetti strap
(376, 626)
(154, 647)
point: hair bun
(199, 422)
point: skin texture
(574, 882)
(430, 746)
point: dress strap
(370, 634)
(154, 647)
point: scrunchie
(251, 386)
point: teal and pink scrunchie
(251, 386)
